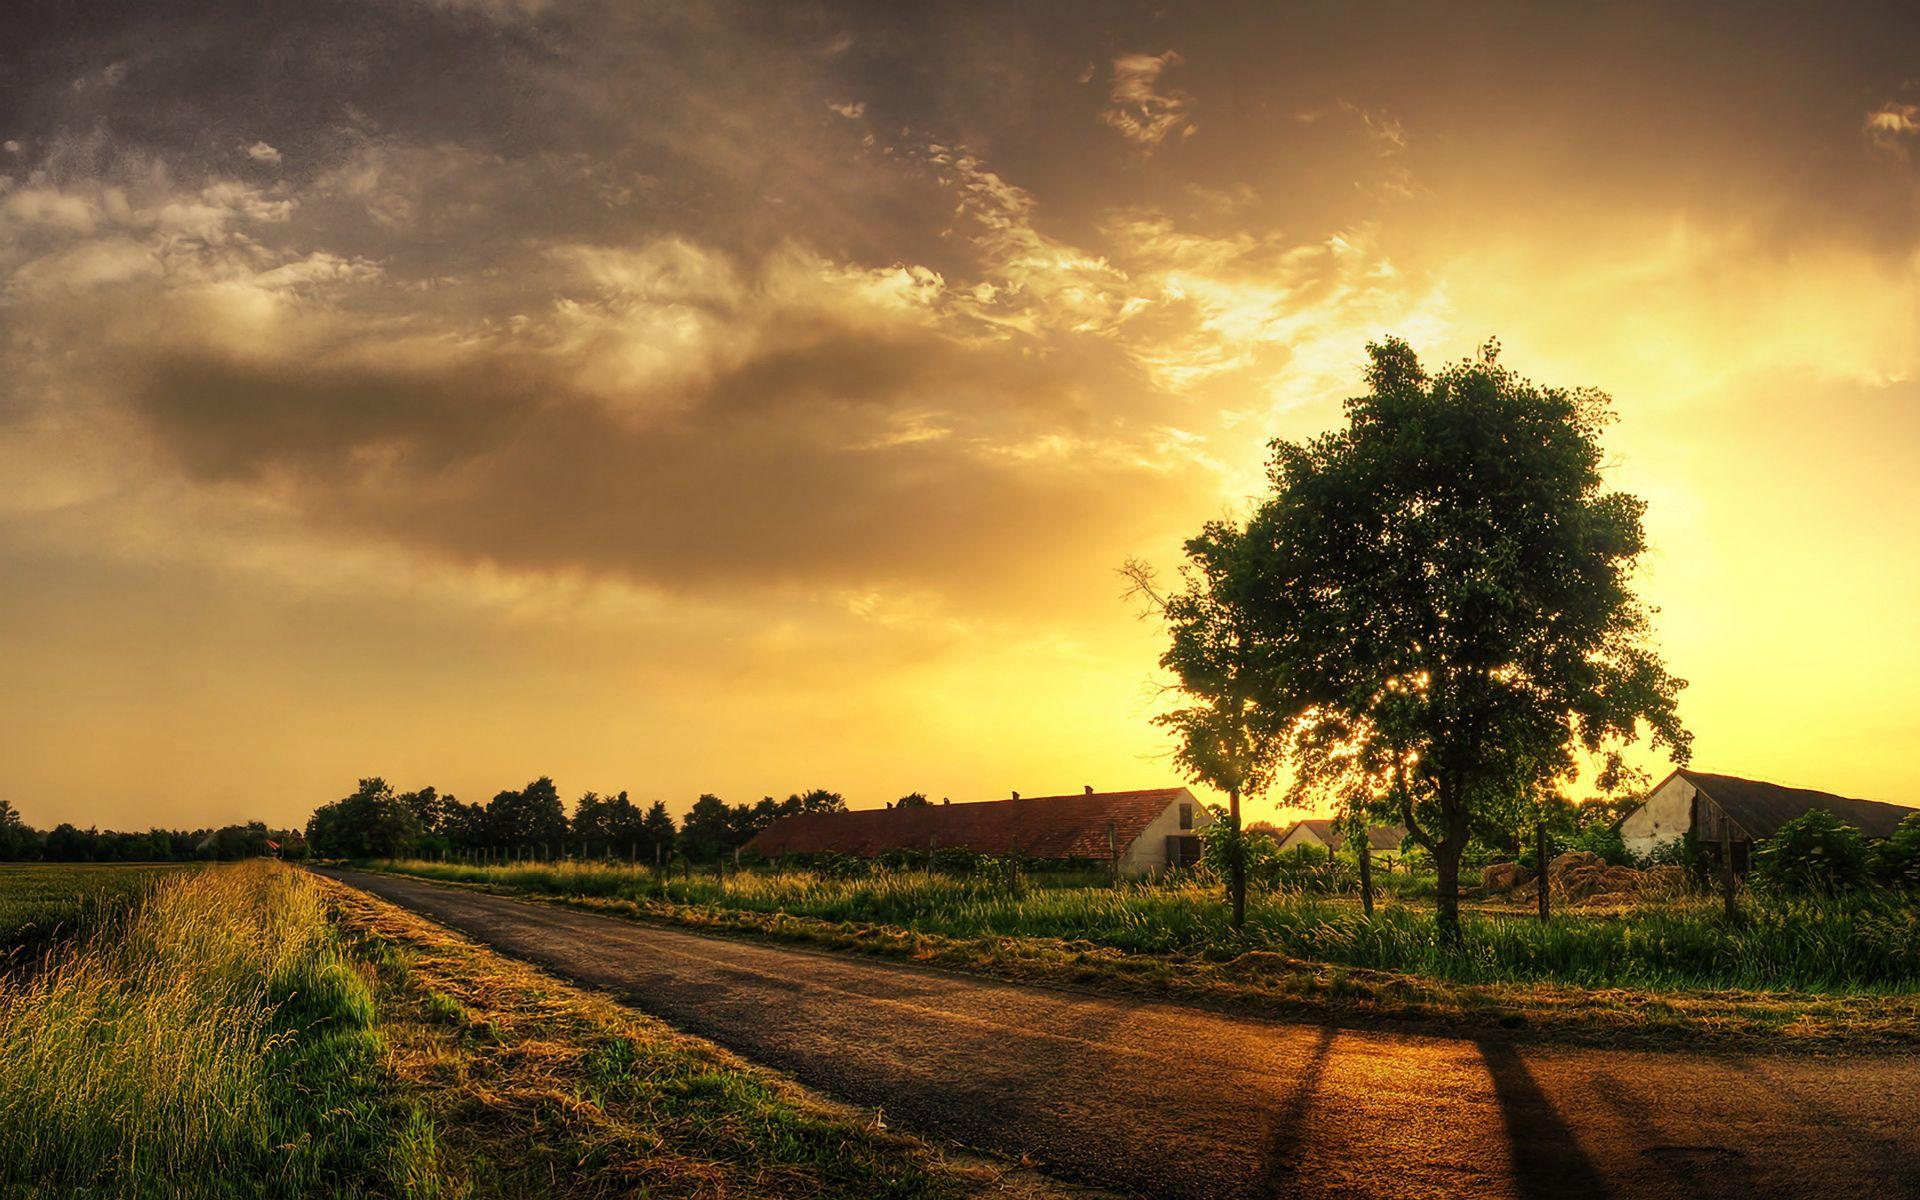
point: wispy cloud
(1143, 113)
(1890, 127)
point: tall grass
(1865, 944)
(217, 1044)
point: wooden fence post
(1541, 853)
(1113, 855)
(1726, 864)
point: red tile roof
(1040, 826)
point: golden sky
(743, 398)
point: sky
(747, 398)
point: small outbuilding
(1144, 831)
(1383, 841)
(1747, 811)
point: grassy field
(1667, 970)
(1864, 945)
(41, 903)
(251, 1030)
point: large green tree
(1229, 730)
(1447, 583)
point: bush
(955, 860)
(1815, 853)
(1896, 861)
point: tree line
(534, 822)
(66, 842)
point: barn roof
(1041, 826)
(1762, 808)
(1381, 838)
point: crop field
(1865, 945)
(39, 903)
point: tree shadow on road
(1288, 1128)
(1547, 1158)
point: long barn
(1745, 810)
(1145, 830)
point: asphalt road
(1165, 1100)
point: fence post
(1541, 853)
(1113, 855)
(1726, 863)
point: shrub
(955, 860)
(1816, 852)
(1896, 861)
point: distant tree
(708, 831)
(608, 826)
(1229, 733)
(657, 832)
(464, 825)
(18, 841)
(911, 800)
(531, 819)
(371, 823)
(67, 843)
(819, 800)
(232, 842)
(1449, 588)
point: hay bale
(1504, 877)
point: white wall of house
(1149, 851)
(1662, 819)
(1301, 835)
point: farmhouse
(1383, 841)
(1145, 831)
(1747, 810)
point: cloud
(1142, 113)
(1888, 127)
(260, 152)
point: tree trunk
(1541, 854)
(1446, 865)
(1237, 868)
(1366, 873)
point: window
(1186, 816)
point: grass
(251, 1031)
(41, 904)
(1809, 969)
(219, 1042)
(537, 1088)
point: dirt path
(1164, 1100)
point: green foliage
(532, 819)
(1896, 861)
(1447, 585)
(1863, 942)
(371, 823)
(1816, 852)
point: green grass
(44, 902)
(218, 1042)
(1866, 945)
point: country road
(1159, 1099)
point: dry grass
(534, 1087)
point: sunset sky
(747, 398)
